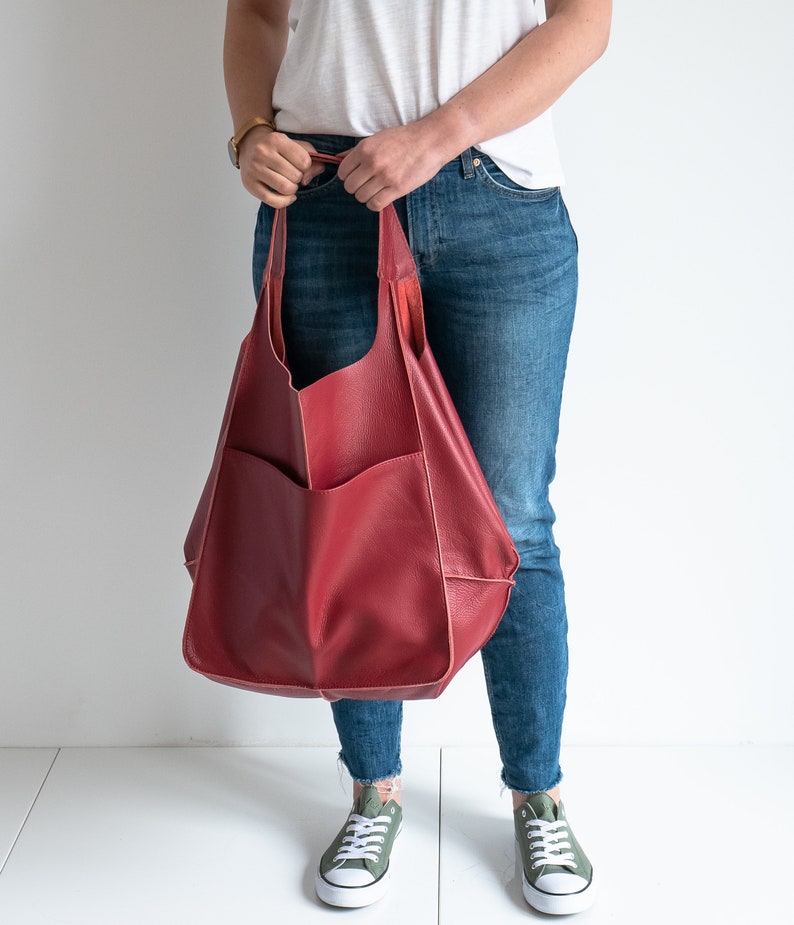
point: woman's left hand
(391, 164)
(515, 90)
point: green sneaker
(558, 878)
(354, 871)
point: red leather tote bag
(346, 543)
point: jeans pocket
(319, 184)
(494, 177)
(325, 144)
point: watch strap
(234, 141)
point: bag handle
(396, 268)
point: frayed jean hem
(506, 785)
(368, 781)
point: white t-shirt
(354, 67)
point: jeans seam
(494, 723)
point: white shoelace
(366, 839)
(547, 840)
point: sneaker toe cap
(344, 876)
(561, 884)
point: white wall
(126, 291)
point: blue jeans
(498, 269)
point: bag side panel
(473, 537)
(196, 530)
(267, 418)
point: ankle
(388, 789)
(519, 797)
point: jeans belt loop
(466, 164)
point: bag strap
(396, 268)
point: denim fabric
(498, 268)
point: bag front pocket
(341, 588)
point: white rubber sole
(351, 897)
(558, 903)
(554, 903)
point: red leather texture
(346, 543)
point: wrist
(237, 139)
(451, 130)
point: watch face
(233, 153)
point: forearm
(528, 79)
(253, 48)
(271, 164)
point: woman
(440, 106)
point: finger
(381, 199)
(296, 153)
(368, 190)
(271, 198)
(288, 169)
(310, 168)
(280, 154)
(356, 179)
(267, 194)
(277, 173)
(272, 164)
(314, 171)
(348, 165)
(276, 181)
(272, 148)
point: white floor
(187, 836)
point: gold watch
(234, 141)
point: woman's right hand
(273, 165)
